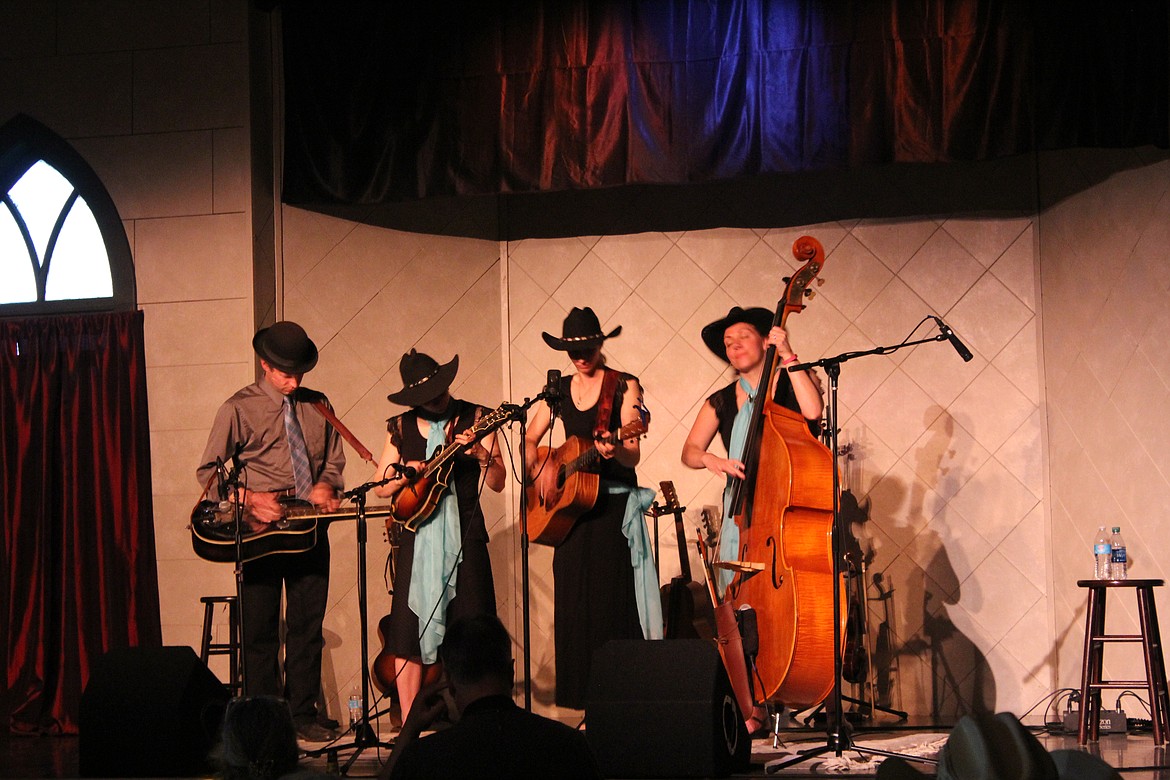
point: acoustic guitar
(555, 504)
(687, 609)
(213, 529)
(416, 501)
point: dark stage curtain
(391, 102)
(77, 552)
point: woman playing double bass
(443, 570)
(742, 338)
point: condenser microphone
(552, 390)
(959, 346)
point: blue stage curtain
(388, 102)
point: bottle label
(1118, 555)
(1102, 549)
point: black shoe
(327, 722)
(315, 732)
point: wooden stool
(1095, 639)
(231, 648)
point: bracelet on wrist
(789, 360)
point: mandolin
(416, 501)
(570, 488)
(686, 606)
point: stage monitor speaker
(664, 709)
(149, 712)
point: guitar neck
(481, 427)
(684, 560)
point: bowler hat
(759, 318)
(580, 330)
(286, 346)
(423, 379)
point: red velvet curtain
(77, 553)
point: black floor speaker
(664, 709)
(149, 712)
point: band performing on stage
(772, 605)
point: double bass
(784, 510)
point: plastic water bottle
(356, 705)
(1118, 559)
(1102, 554)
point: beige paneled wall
(1105, 271)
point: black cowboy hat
(580, 330)
(423, 379)
(286, 346)
(759, 318)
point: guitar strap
(605, 403)
(328, 414)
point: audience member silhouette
(259, 741)
(493, 737)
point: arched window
(62, 244)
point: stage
(1134, 755)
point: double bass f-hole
(777, 577)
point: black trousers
(304, 580)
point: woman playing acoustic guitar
(599, 595)
(443, 571)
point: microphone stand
(839, 736)
(363, 733)
(520, 414)
(231, 485)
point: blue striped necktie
(297, 450)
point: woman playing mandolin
(442, 571)
(599, 595)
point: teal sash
(641, 556)
(729, 533)
(438, 550)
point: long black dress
(474, 588)
(594, 579)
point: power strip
(1111, 721)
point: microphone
(959, 346)
(221, 480)
(410, 472)
(552, 390)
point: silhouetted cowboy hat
(423, 379)
(580, 330)
(760, 319)
(997, 747)
(286, 346)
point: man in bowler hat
(287, 451)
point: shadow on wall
(923, 663)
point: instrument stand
(839, 737)
(363, 733)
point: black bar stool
(230, 648)
(1095, 639)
